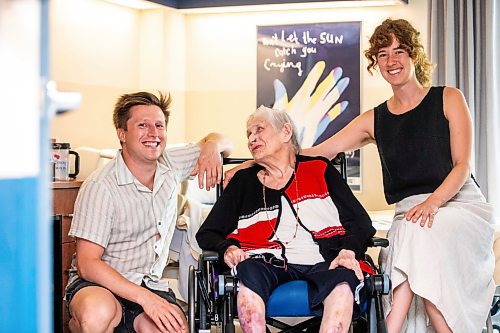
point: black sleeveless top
(414, 147)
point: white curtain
(465, 45)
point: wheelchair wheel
(191, 300)
(360, 325)
(229, 328)
(197, 311)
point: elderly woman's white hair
(278, 119)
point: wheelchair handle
(378, 242)
(209, 256)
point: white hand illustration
(313, 109)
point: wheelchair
(493, 320)
(212, 293)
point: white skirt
(450, 264)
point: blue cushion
(291, 299)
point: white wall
(162, 62)
(105, 50)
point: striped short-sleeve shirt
(132, 223)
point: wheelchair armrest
(209, 256)
(378, 242)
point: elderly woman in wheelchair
(289, 217)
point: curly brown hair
(409, 40)
(121, 113)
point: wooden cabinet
(64, 196)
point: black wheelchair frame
(211, 296)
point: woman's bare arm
(354, 135)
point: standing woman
(440, 257)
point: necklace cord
(294, 175)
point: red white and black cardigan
(328, 210)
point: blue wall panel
(18, 254)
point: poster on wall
(313, 72)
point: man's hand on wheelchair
(234, 255)
(347, 259)
(166, 316)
